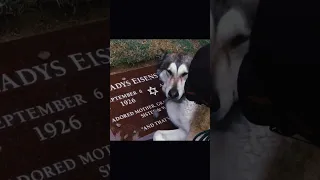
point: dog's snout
(173, 93)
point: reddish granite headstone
(53, 99)
(137, 107)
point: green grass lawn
(132, 52)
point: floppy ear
(160, 57)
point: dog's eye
(184, 74)
(169, 72)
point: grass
(133, 52)
(34, 20)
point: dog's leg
(191, 135)
(170, 135)
(200, 122)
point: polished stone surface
(137, 105)
(68, 128)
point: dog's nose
(173, 93)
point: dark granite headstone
(137, 107)
(53, 100)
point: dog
(230, 26)
(189, 117)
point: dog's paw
(158, 136)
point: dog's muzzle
(173, 93)
(175, 99)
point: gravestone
(137, 107)
(54, 95)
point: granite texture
(244, 151)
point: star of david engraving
(152, 91)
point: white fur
(173, 68)
(180, 115)
(182, 69)
(172, 135)
(226, 81)
(176, 79)
(231, 24)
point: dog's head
(173, 71)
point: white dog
(189, 117)
(230, 25)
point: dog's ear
(161, 56)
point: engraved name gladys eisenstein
(128, 97)
(133, 81)
(47, 71)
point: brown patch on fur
(200, 122)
